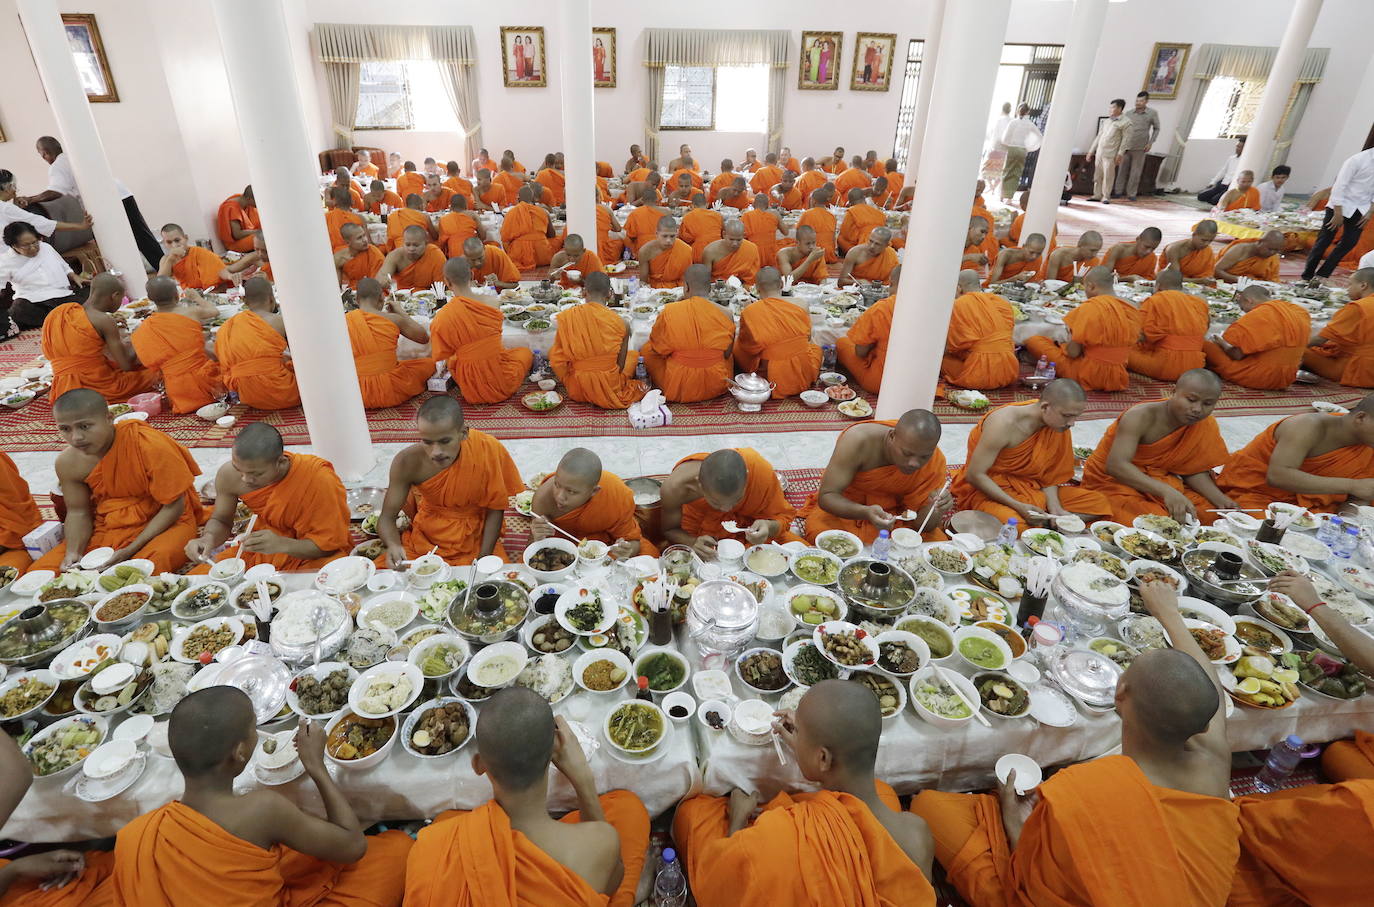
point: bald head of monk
(1062, 403)
(342, 198)
(698, 200)
(806, 241)
(368, 291)
(459, 202)
(106, 292)
(1089, 244)
(1360, 419)
(257, 293)
(1195, 395)
(1170, 278)
(414, 241)
(453, 169)
(596, 286)
(768, 282)
(175, 238)
(433, 182)
(837, 724)
(1147, 240)
(83, 420)
(212, 733)
(515, 740)
(526, 194)
(440, 426)
(483, 179)
(857, 196)
(246, 200)
(458, 271)
(857, 161)
(761, 202)
(343, 177)
(1154, 721)
(1361, 284)
(162, 292)
(1269, 244)
(1203, 234)
(723, 477)
(977, 231)
(1034, 244)
(969, 281)
(684, 182)
(878, 240)
(697, 280)
(415, 201)
(878, 188)
(808, 163)
(913, 440)
(1099, 281)
(1252, 296)
(574, 246)
(259, 456)
(666, 230)
(576, 479)
(733, 234)
(1244, 180)
(260, 247)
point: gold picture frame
(871, 69)
(1164, 72)
(603, 57)
(818, 67)
(83, 36)
(522, 56)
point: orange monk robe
(692, 175)
(199, 268)
(174, 345)
(1024, 470)
(1347, 760)
(441, 201)
(699, 228)
(743, 263)
(468, 334)
(896, 182)
(334, 220)
(77, 354)
(523, 233)
(667, 268)
(878, 267)
(410, 183)
(817, 273)
(397, 222)
(585, 357)
(638, 175)
(18, 515)
(1011, 270)
(765, 178)
(640, 226)
(451, 506)
(1137, 265)
(979, 353)
(792, 200)
(174, 856)
(477, 859)
(1347, 356)
(1183, 452)
(990, 245)
(1068, 272)
(805, 849)
(308, 503)
(143, 471)
(92, 888)
(809, 182)
(720, 181)
(588, 263)
(761, 228)
(859, 221)
(1174, 324)
(686, 351)
(608, 248)
(1014, 234)
(886, 486)
(791, 164)
(1196, 265)
(1266, 268)
(604, 170)
(385, 380)
(365, 264)
(355, 198)
(1250, 198)
(851, 178)
(608, 516)
(1273, 336)
(250, 358)
(423, 272)
(823, 222)
(1107, 328)
(230, 210)
(603, 190)
(495, 195)
(742, 201)
(496, 261)
(459, 186)
(555, 184)
(1245, 478)
(389, 198)
(778, 332)
(872, 328)
(1163, 846)
(763, 500)
(983, 270)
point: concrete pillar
(930, 52)
(1259, 147)
(579, 116)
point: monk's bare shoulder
(1307, 427)
(1138, 420)
(675, 488)
(406, 465)
(73, 465)
(228, 480)
(913, 836)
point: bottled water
(1282, 759)
(1049, 372)
(540, 365)
(1330, 529)
(632, 286)
(828, 358)
(1007, 534)
(670, 885)
(642, 371)
(1042, 367)
(1347, 542)
(882, 545)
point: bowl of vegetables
(901, 653)
(551, 560)
(602, 670)
(948, 560)
(935, 694)
(60, 748)
(585, 611)
(980, 649)
(319, 692)
(353, 741)
(888, 690)
(814, 566)
(440, 656)
(761, 671)
(635, 728)
(439, 727)
(805, 664)
(1001, 695)
(840, 543)
(667, 669)
(814, 605)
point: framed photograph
(819, 66)
(522, 56)
(603, 57)
(83, 36)
(1165, 70)
(872, 62)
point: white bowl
(212, 411)
(515, 650)
(634, 703)
(712, 683)
(802, 552)
(720, 707)
(917, 644)
(318, 672)
(730, 550)
(943, 626)
(393, 669)
(229, 571)
(421, 650)
(946, 546)
(906, 539)
(592, 553)
(1243, 521)
(814, 399)
(175, 649)
(100, 724)
(142, 564)
(259, 571)
(37, 675)
(29, 584)
(366, 761)
(327, 574)
(773, 574)
(366, 612)
(412, 723)
(897, 684)
(1028, 773)
(671, 653)
(551, 576)
(133, 616)
(414, 578)
(157, 739)
(1210, 613)
(179, 612)
(749, 687)
(134, 728)
(752, 722)
(681, 700)
(842, 626)
(110, 758)
(587, 659)
(841, 534)
(284, 754)
(974, 631)
(570, 599)
(841, 610)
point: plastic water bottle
(1347, 543)
(642, 371)
(1008, 533)
(540, 364)
(828, 358)
(1049, 372)
(632, 287)
(670, 885)
(1042, 367)
(1330, 529)
(882, 545)
(1283, 758)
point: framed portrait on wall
(522, 56)
(872, 67)
(1166, 70)
(83, 36)
(603, 57)
(818, 69)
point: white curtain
(343, 81)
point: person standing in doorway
(1348, 207)
(1021, 137)
(1107, 148)
(1140, 138)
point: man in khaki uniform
(1106, 147)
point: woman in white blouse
(40, 278)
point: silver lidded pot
(751, 389)
(876, 590)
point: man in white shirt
(1225, 176)
(40, 278)
(1271, 191)
(1107, 148)
(1021, 137)
(10, 212)
(1348, 207)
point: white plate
(868, 641)
(319, 672)
(1357, 579)
(331, 569)
(177, 640)
(29, 584)
(100, 725)
(84, 649)
(95, 791)
(273, 777)
(385, 669)
(412, 608)
(1232, 647)
(570, 599)
(38, 674)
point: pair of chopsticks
(238, 539)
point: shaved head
(768, 281)
(582, 464)
(368, 288)
(257, 289)
(259, 443)
(1090, 238)
(162, 290)
(1189, 707)
(856, 196)
(838, 724)
(919, 424)
(597, 283)
(1100, 277)
(1365, 406)
(1062, 391)
(104, 284)
(441, 411)
(1364, 277)
(697, 279)
(1199, 379)
(457, 270)
(1205, 227)
(1150, 234)
(734, 228)
(80, 401)
(723, 476)
(208, 726)
(1170, 278)
(515, 734)
(969, 281)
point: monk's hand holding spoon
(622, 549)
(309, 741)
(568, 757)
(760, 532)
(785, 726)
(395, 556)
(1179, 507)
(879, 517)
(198, 549)
(705, 547)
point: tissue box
(650, 418)
(43, 539)
(438, 384)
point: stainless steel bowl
(872, 595)
(466, 613)
(40, 631)
(1197, 564)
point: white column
(1259, 147)
(1066, 108)
(281, 161)
(81, 142)
(579, 116)
(930, 52)
(970, 48)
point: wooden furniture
(1083, 173)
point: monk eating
(526, 232)
(576, 260)
(683, 159)
(863, 349)
(416, 264)
(252, 848)
(373, 330)
(854, 177)
(1172, 327)
(409, 182)
(636, 159)
(127, 487)
(551, 177)
(378, 195)
(847, 843)
(251, 348)
(1158, 457)
(1102, 332)
(705, 491)
(1193, 257)
(689, 168)
(1174, 834)
(302, 512)
(467, 333)
(732, 255)
(975, 255)
(725, 178)
(87, 348)
(1257, 259)
(883, 473)
(189, 264)
(641, 224)
(785, 194)
(820, 219)
(340, 212)
(363, 168)
(763, 227)
(682, 193)
(804, 261)
(1264, 347)
(1069, 263)
(979, 352)
(810, 179)
(700, 227)
(237, 220)
(689, 346)
(1019, 264)
(488, 195)
(344, 180)
(458, 225)
(767, 176)
(873, 260)
(458, 479)
(172, 342)
(1315, 460)
(775, 339)
(1343, 350)
(610, 243)
(861, 219)
(590, 353)
(412, 215)
(358, 257)
(490, 264)
(664, 259)
(736, 195)
(588, 502)
(1136, 260)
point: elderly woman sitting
(40, 278)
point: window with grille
(1228, 108)
(404, 94)
(689, 98)
(906, 113)
(724, 98)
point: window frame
(405, 94)
(708, 128)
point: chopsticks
(973, 706)
(1239, 510)
(243, 536)
(930, 508)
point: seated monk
(1069, 263)
(862, 218)
(459, 225)
(1018, 264)
(1343, 351)
(340, 212)
(767, 176)
(590, 353)
(683, 190)
(1158, 457)
(343, 179)
(128, 487)
(459, 481)
(705, 491)
(190, 265)
(509, 850)
(87, 348)
(363, 168)
(1264, 347)
(378, 195)
(1020, 460)
(852, 177)
(820, 218)
(253, 848)
(526, 232)
(689, 346)
(775, 339)
(551, 177)
(975, 257)
(736, 195)
(18, 517)
(488, 195)
(1193, 257)
(641, 224)
(700, 227)
(883, 473)
(990, 244)
(847, 843)
(1315, 460)
(1018, 225)
(979, 352)
(467, 333)
(762, 227)
(1256, 259)
(872, 260)
(394, 168)
(172, 342)
(835, 164)
(576, 260)
(732, 255)
(409, 182)
(863, 349)
(809, 179)
(785, 194)
(1102, 332)
(490, 264)
(302, 512)
(610, 242)
(584, 500)
(412, 215)
(664, 259)
(237, 220)
(373, 329)
(726, 177)
(1135, 260)
(1174, 836)
(1242, 194)
(357, 258)
(1172, 327)
(252, 353)
(416, 264)
(637, 159)
(804, 261)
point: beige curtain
(654, 113)
(1288, 126)
(343, 99)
